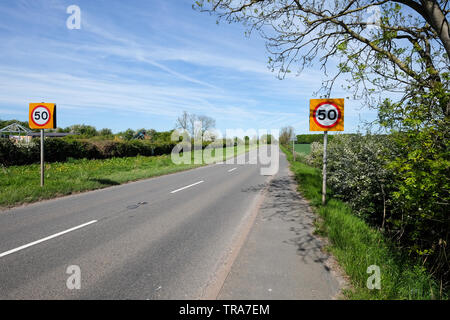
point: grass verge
(21, 184)
(357, 246)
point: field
(21, 184)
(303, 148)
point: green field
(303, 148)
(21, 184)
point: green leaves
(404, 176)
(344, 68)
(342, 46)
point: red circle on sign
(338, 117)
(49, 115)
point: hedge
(318, 137)
(59, 150)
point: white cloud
(159, 66)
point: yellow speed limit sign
(326, 115)
(42, 116)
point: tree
(286, 134)
(188, 121)
(208, 123)
(106, 132)
(61, 130)
(83, 129)
(400, 46)
(128, 134)
(160, 137)
(183, 121)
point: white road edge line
(46, 238)
(232, 169)
(191, 185)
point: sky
(141, 63)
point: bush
(15, 154)
(357, 245)
(310, 138)
(359, 175)
(419, 215)
(59, 150)
(315, 156)
(398, 183)
(8, 151)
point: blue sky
(139, 64)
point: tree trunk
(438, 22)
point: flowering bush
(399, 183)
(315, 156)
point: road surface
(161, 238)
(282, 258)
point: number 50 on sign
(326, 115)
(42, 116)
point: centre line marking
(191, 185)
(46, 238)
(232, 169)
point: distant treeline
(83, 131)
(89, 143)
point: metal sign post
(42, 157)
(42, 116)
(326, 115)
(293, 148)
(324, 170)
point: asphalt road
(160, 238)
(282, 258)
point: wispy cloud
(141, 65)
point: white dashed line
(232, 169)
(46, 238)
(191, 185)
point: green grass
(356, 246)
(21, 184)
(302, 148)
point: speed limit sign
(326, 115)
(42, 116)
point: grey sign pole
(42, 157)
(293, 148)
(324, 171)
